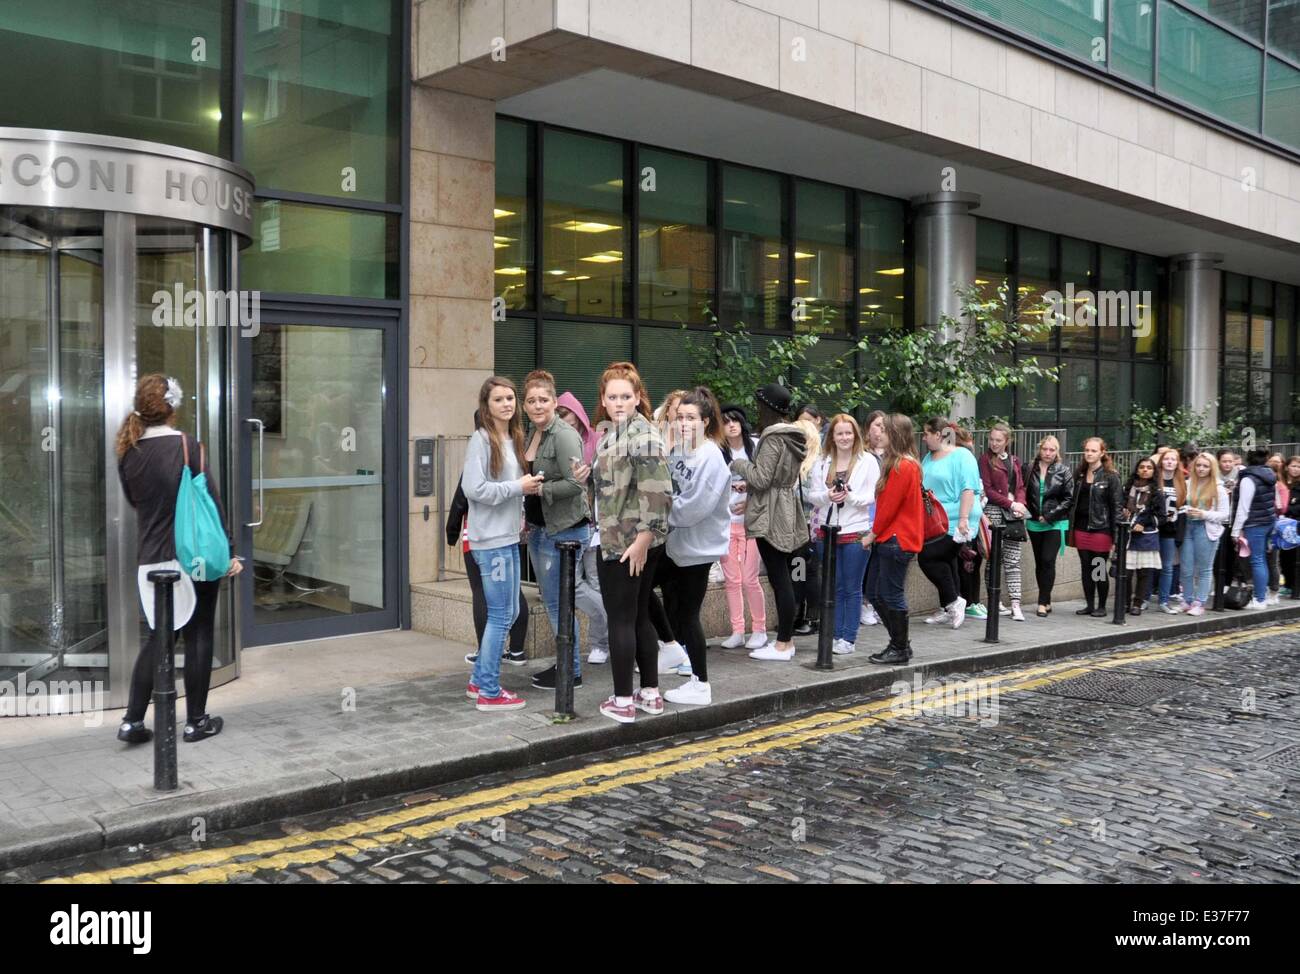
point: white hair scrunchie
(173, 396)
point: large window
(823, 258)
(513, 235)
(882, 263)
(1258, 383)
(754, 249)
(675, 237)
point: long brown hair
(829, 447)
(150, 409)
(1180, 482)
(626, 371)
(900, 444)
(702, 398)
(1107, 464)
(866, 427)
(515, 426)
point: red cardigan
(900, 512)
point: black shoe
(892, 656)
(1085, 611)
(205, 726)
(545, 680)
(1099, 613)
(514, 659)
(804, 628)
(136, 733)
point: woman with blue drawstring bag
(180, 527)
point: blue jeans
(850, 566)
(1168, 570)
(1198, 561)
(1257, 538)
(499, 570)
(887, 575)
(545, 556)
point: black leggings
(518, 632)
(808, 586)
(969, 581)
(198, 636)
(777, 564)
(1287, 559)
(631, 636)
(1093, 591)
(938, 561)
(660, 617)
(1046, 545)
(1141, 582)
(684, 588)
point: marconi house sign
(92, 172)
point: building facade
(444, 189)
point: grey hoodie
(699, 524)
(773, 510)
(496, 504)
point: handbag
(1013, 528)
(201, 544)
(936, 518)
(1240, 589)
(1286, 534)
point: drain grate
(1288, 758)
(1122, 688)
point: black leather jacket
(1057, 496)
(1104, 502)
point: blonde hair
(1049, 438)
(854, 452)
(1202, 492)
(812, 445)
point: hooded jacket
(590, 438)
(564, 500)
(773, 510)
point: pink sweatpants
(740, 569)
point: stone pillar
(944, 235)
(1195, 299)
(453, 191)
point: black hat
(775, 397)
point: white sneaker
(734, 641)
(685, 669)
(1253, 604)
(671, 656)
(938, 617)
(756, 641)
(771, 652)
(842, 647)
(598, 656)
(715, 574)
(957, 612)
(1016, 614)
(868, 616)
(692, 692)
(1003, 610)
(1274, 598)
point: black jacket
(1104, 503)
(456, 516)
(151, 474)
(1056, 498)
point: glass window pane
(1245, 15)
(300, 249)
(1284, 326)
(675, 238)
(992, 256)
(753, 249)
(1077, 271)
(823, 258)
(1114, 391)
(1283, 398)
(1236, 323)
(1149, 385)
(1036, 401)
(512, 239)
(584, 226)
(1114, 317)
(515, 349)
(880, 249)
(1068, 26)
(322, 97)
(1078, 390)
(1209, 68)
(1149, 319)
(1282, 103)
(1132, 29)
(1260, 412)
(125, 69)
(995, 402)
(1035, 276)
(1233, 406)
(663, 361)
(576, 353)
(1261, 324)
(1284, 27)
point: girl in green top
(1049, 487)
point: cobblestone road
(1023, 776)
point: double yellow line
(429, 818)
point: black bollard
(994, 585)
(826, 631)
(1120, 618)
(564, 632)
(164, 681)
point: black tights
(1095, 592)
(518, 632)
(631, 636)
(684, 588)
(198, 636)
(1140, 583)
(777, 564)
(938, 561)
(1046, 545)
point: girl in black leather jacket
(1094, 512)
(1049, 490)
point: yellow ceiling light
(608, 257)
(587, 226)
(800, 255)
(800, 280)
(980, 281)
(873, 307)
(511, 271)
(498, 241)
(556, 273)
(1023, 289)
(617, 183)
(579, 277)
(866, 290)
(892, 271)
(500, 213)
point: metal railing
(1024, 442)
(1126, 460)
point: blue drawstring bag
(201, 545)
(1286, 534)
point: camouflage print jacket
(633, 488)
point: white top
(858, 509)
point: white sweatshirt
(855, 515)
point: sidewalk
(290, 747)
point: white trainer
(771, 652)
(1274, 598)
(692, 691)
(756, 640)
(957, 612)
(598, 656)
(842, 647)
(671, 656)
(734, 641)
(938, 617)
(1003, 610)
(868, 616)
(1255, 604)
(1016, 614)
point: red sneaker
(471, 691)
(507, 701)
(624, 715)
(653, 705)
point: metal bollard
(164, 681)
(565, 633)
(826, 631)
(994, 584)
(1120, 617)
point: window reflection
(676, 237)
(753, 248)
(881, 288)
(512, 239)
(823, 261)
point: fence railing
(1125, 460)
(1024, 442)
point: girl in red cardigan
(896, 535)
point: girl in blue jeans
(1173, 526)
(1207, 512)
(1256, 515)
(495, 484)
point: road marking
(216, 865)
